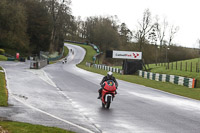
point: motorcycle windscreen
(110, 85)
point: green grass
(120, 67)
(90, 52)
(3, 90)
(18, 127)
(3, 58)
(66, 51)
(172, 71)
(164, 86)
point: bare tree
(161, 29)
(172, 32)
(144, 28)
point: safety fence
(94, 47)
(104, 67)
(189, 66)
(84, 43)
(184, 81)
(57, 57)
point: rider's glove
(102, 85)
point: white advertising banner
(127, 55)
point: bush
(2, 51)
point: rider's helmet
(109, 74)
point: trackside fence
(184, 81)
(104, 67)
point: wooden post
(181, 66)
(197, 67)
(176, 65)
(186, 66)
(168, 65)
(172, 65)
(191, 67)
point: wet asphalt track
(64, 96)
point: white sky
(182, 13)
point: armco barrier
(107, 68)
(10, 59)
(188, 82)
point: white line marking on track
(39, 110)
(65, 121)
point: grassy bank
(18, 127)
(90, 52)
(164, 86)
(175, 69)
(3, 58)
(66, 51)
(3, 90)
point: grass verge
(3, 90)
(3, 58)
(66, 51)
(18, 127)
(164, 86)
(172, 71)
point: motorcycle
(108, 93)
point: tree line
(30, 26)
(153, 36)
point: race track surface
(64, 96)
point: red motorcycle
(108, 93)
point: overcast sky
(182, 13)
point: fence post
(186, 66)
(191, 67)
(168, 65)
(172, 65)
(181, 66)
(176, 65)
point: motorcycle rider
(109, 76)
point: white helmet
(109, 74)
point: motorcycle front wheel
(103, 105)
(107, 105)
